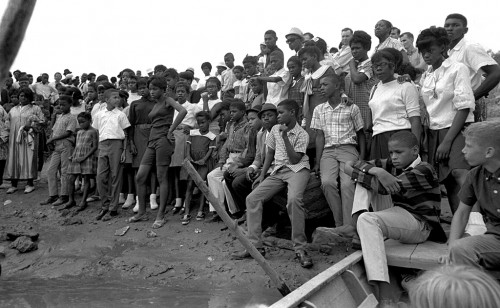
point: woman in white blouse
(394, 105)
(447, 93)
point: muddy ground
(86, 265)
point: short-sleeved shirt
(161, 117)
(445, 91)
(483, 187)
(392, 104)
(360, 93)
(339, 124)
(341, 60)
(474, 57)
(277, 91)
(299, 139)
(64, 123)
(390, 43)
(111, 124)
(190, 118)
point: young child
(63, 138)
(294, 66)
(111, 124)
(339, 131)
(250, 66)
(257, 94)
(210, 103)
(182, 90)
(237, 85)
(82, 161)
(200, 144)
(172, 77)
(4, 142)
(91, 100)
(481, 187)
(411, 217)
(277, 89)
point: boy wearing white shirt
(276, 83)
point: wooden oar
(12, 29)
(233, 226)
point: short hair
(238, 67)
(171, 72)
(225, 104)
(334, 50)
(296, 60)
(363, 38)
(142, 82)
(458, 16)
(160, 67)
(102, 78)
(92, 85)
(347, 29)
(65, 98)
(204, 114)
(432, 36)
(113, 79)
(388, 55)
(207, 65)
(310, 50)
(109, 92)
(321, 44)
(158, 81)
(486, 133)
(408, 69)
(238, 104)
(86, 115)
(405, 138)
(250, 60)
(387, 23)
(106, 85)
(229, 54)
(272, 32)
(13, 92)
(408, 34)
(290, 104)
(182, 84)
(90, 75)
(28, 94)
(133, 77)
(186, 75)
(127, 70)
(277, 53)
(309, 34)
(215, 80)
(455, 287)
(74, 93)
(123, 94)
(397, 29)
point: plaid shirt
(294, 91)
(237, 140)
(64, 123)
(419, 191)
(339, 125)
(299, 139)
(359, 94)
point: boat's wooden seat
(420, 256)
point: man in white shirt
(414, 56)
(276, 83)
(483, 70)
(342, 58)
(45, 89)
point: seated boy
(286, 146)
(277, 83)
(482, 186)
(414, 188)
(111, 124)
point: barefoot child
(82, 161)
(200, 144)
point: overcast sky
(106, 36)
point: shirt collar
(415, 163)
(460, 44)
(491, 176)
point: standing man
(414, 56)
(83, 84)
(475, 58)
(227, 77)
(294, 39)
(45, 89)
(383, 30)
(270, 39)
(342, 58)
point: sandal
(182, 210)
(186, 219)
(159, 223)
(137, 218)
(176, 209)
(200, 216)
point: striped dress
(84, 143)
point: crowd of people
(383, 133)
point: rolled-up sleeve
(463, 97)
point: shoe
(121, 199)
(407, 281)
(28, 189)
(200, 216)
(93, 198)
(129, 202)
(152, 202)
(60, 201)
(5, 186)
(215, 218)
(11, 190)
(109, 215)
(101, 214)
(241, 255)
(49, 200)
(304, 260)
(176, 210)
(186, 219)
(137, 218)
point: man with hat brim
(294, 39)
(241, 185)
(232, 172)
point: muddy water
(125, 293)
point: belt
(143, 126)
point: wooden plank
(352, 282)
(426, 255)
(318, 282)
(369, 302)
(398, 254)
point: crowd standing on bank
(383, 133)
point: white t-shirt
(190, 118)
(277, 91)
(392, 105)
